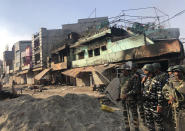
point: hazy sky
(19, 19)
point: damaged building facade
(26, 66)
(8, 58)
(106, 49)
(19, 47)
(69, 34)
(95, 56)
(88, 53)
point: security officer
(183, 66)
(162, 76)
(129, 91)
(175, 93)
(170, 73)
(146, 82)
(156, 96)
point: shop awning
(98, 77)
(74, 72)
(42, 74)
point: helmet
(156, 66)
(183, 66)
(170, 69)
(148, 67)
(178, 68)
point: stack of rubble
(69, 113)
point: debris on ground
(71, 112)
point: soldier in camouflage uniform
(129, 91)
(170, 73)
(175, 91)
(146, 82)
(156, 97)
(152, 94)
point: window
(97, 51)
(24, 61)
(37, 58)
(17, 64)
(90, 53)
(104, 48)
(81, 55)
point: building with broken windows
(43, 46)
(19, 47)
(88, 53)
(8, 58)
(26, 66)
(8, 62)
(97, 56)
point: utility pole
(95, 12)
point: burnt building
(8, 62)
(26, 66)
(8, 58)
(98, 55)
(44, 43)
(19, 47)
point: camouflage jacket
(146, 87)
(157, 85)
(152, 89)
(176, 89)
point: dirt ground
(61, 91)
(49, 91)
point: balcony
(59, 66)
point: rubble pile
(69, 113)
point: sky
(19, 19)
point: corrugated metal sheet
(41, 74)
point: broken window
(24, 60)
(97, 51)
(81, 55)
(90, 53)
(104, 48)
(36, 44)
(37, 58)
(54, 58)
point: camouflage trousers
(141, 110)
(130, 111)
(153, 118)
(175, 115)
